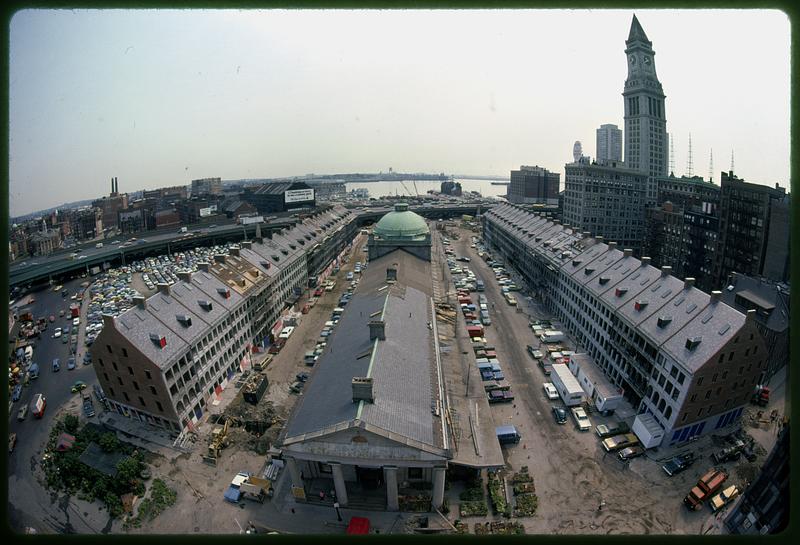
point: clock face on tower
(647, 60)
(632, 59)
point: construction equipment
(219, 440)
(760, 396)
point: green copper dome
(401, 224)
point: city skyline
(155, 101)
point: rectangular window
(147, 374)
(700, 381)
(130, 370)
(141, 401)
(126, 396)
(135, 384)
(153, 390)
(681, 378)
(110, 389)
(120, 380)
(714, 378)
(160, 408)
(108, 346)
(124, 353)
(730, 356)
(708, 394)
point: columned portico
(390, 476)
(338, 483)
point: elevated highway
(40, 271)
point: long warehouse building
(679, 354)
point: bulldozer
(219, 440)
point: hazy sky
(158, 98)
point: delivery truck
(705, 488)
(38, 405)
(552, 336)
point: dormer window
(604, 280)
(159, 340)
(275, 258)
(224, 292)
(576, 262)
(692, 342)
(537, 239)
(619, 292)
(588, 270)
(292, 246)
(663, 321)
(205, 305)
(640, 304)
(185, 321)
(265, 264)
(284, 252)
(301, 241)
(253, 273)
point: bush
(71, 423)
(109, 442)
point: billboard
(298, 195)
(205, 212)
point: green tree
(71, 423)
(128, 471)
(109, 442)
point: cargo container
(475, 331)
(648, 430)
(567, 385)
(507, 435)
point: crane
(415, 188)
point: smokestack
(116, 185)
(688, 283)
(665, 271)
(112, 186)
(645, 261)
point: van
(507, 435)
(33, 371)
(56, 365)
(98, 245)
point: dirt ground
(571, 472)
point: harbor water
(385, 189)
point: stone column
(291, 463)
(390, 476)
(438, 487)
(338, 484)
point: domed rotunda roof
(401, 224)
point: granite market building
(371, 423)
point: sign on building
(205, 212)
(298, 195)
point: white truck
(552, 336)
(567, 385)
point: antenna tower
(731, 160)
(671, 155)
(711, 167)
(689, 165)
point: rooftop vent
(253, 273)
(645, 261)
(265, 264)
(284, 252)
(140, 302)
(576, 262)
(158, 340)
(275, 258)
(362, 389)
(377, 330)
(750, 315)
(599, 238)
(292, 246)
(688, 283)
(588, 270)
(693, 342)
(612, 246)
(604, 280)
(666, 270)
(224, 292)
(663, 321)
(640, 304)
(205, 305)
(627, 252)
(185, 320)
(715, 295)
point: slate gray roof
(402, 365)
(764, 293)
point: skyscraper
(646, 144)
(609, 143)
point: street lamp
(338, 514)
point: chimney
(140, 302)
(599, 238)
(116, 185)
(627, 252)
(586, 234)
(204, 266)
(750, 315)
(362, 389)
(247, 245)
(108, 320)
(688, 283)
(185, 276)
(645, 261)
(715, 295)
(163, 287)
(612, 246)
(234, 251)
(377, 330)
(391, 273)
(219, 258)
(665, 271)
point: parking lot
(581, 487)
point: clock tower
(646, 144)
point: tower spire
(637, 32)
(671, 155)
(689, 165)
(711, 167)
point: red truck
(706, 487)
(75, 310)
(38, 405)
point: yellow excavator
(219, 440)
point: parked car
(17, 392)
(581, 419)
(630, 452)
(724, 498)
(560, 415)
(70, 364)
(302, 377)
(22, 413)
(678, 464)
(56, 365)
(550, 390)
(78, 386)
(604, 431)
(617, 442)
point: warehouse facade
(679, 354)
